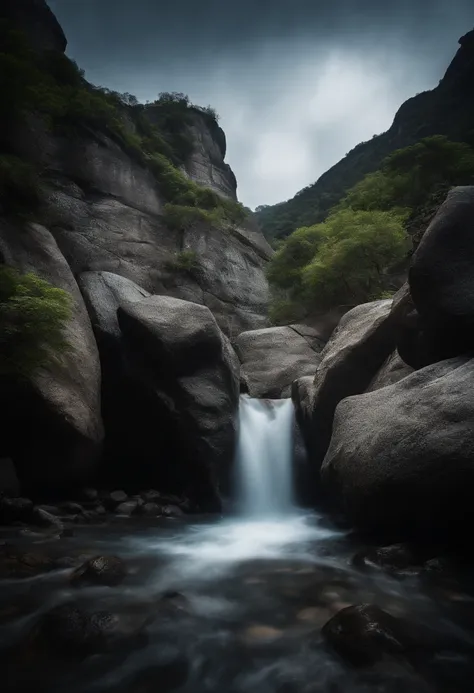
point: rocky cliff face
(103, 214)
(447, 110)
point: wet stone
(42, 518)
(15, 510)
(109, 571)
(151, 510)
(128, 508)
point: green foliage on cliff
(33, 315)
(20, 190)
(181, 217)
(156, 134)
(348, 258)
(344, 261)
(185, 261)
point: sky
(296, 83)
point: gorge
(191, 497)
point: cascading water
(264, 457)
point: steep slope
(447, 110)
(106, 208)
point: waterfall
(264, 457)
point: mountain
(446, 110)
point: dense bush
(19, 186)
(343, 261)
(33, 315)
(180, 217)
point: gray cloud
(297, 82)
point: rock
(401, 459)
(442, 280)
(42, 518)
(127, 508)
(9, 483)
(89, 495)
(58, 407)
(112, 500)
(109, 571)
(71, 508)
(396, 558)
(273, 358)
(172, 511)
(151, 510)
(364, 634)
(188, 376)
(361, 343)
(69, 631)
(35, 19)
(151, 496)
(393, 370)
(15, 510)
(50, 509)
(20, 565)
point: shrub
(185, 261)
(19, 186)
(180, 217)
(33, 315)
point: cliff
(446, 110)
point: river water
(230, 605)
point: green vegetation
(349, 258)
(156, 134)
(19, 186)
(33, 315)
(185, 261)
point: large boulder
(392, 370)
(441, 279)
(188, 376)
(273, 358)
(35, 19)
(59, 407)
(363, 340)
(401, 459)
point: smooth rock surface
(401, 459)
(60, 405)
(273, 358)
(188, 375)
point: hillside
(447, 110)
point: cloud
(297, 83)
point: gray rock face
(206, 164)
(36, 20)
(441, 277)
(393, 370)
(357, 349)
(273, 358)
(187, 374)
(111, 223)
(60, 408)
(401, 459)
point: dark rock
(17, 564)
(393, 370)
(35, 19)
(50, 509)
(112, 500)
(127, 508)
(396, 558)
(363, 635)
(362, 341)
(9, 483)
(69, 631)
(58, 407)
(273, 358)
(151, 510)
(188, 376)
(151, 496)
(15, 510)
(89, 495)
(71, 508)
(172, 511)
(401, 459)
(100, 510)
(42, 518)
(441, 277)
(100, 570)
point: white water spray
(264, 457)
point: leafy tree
(33, 315)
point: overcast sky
(297, 83)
